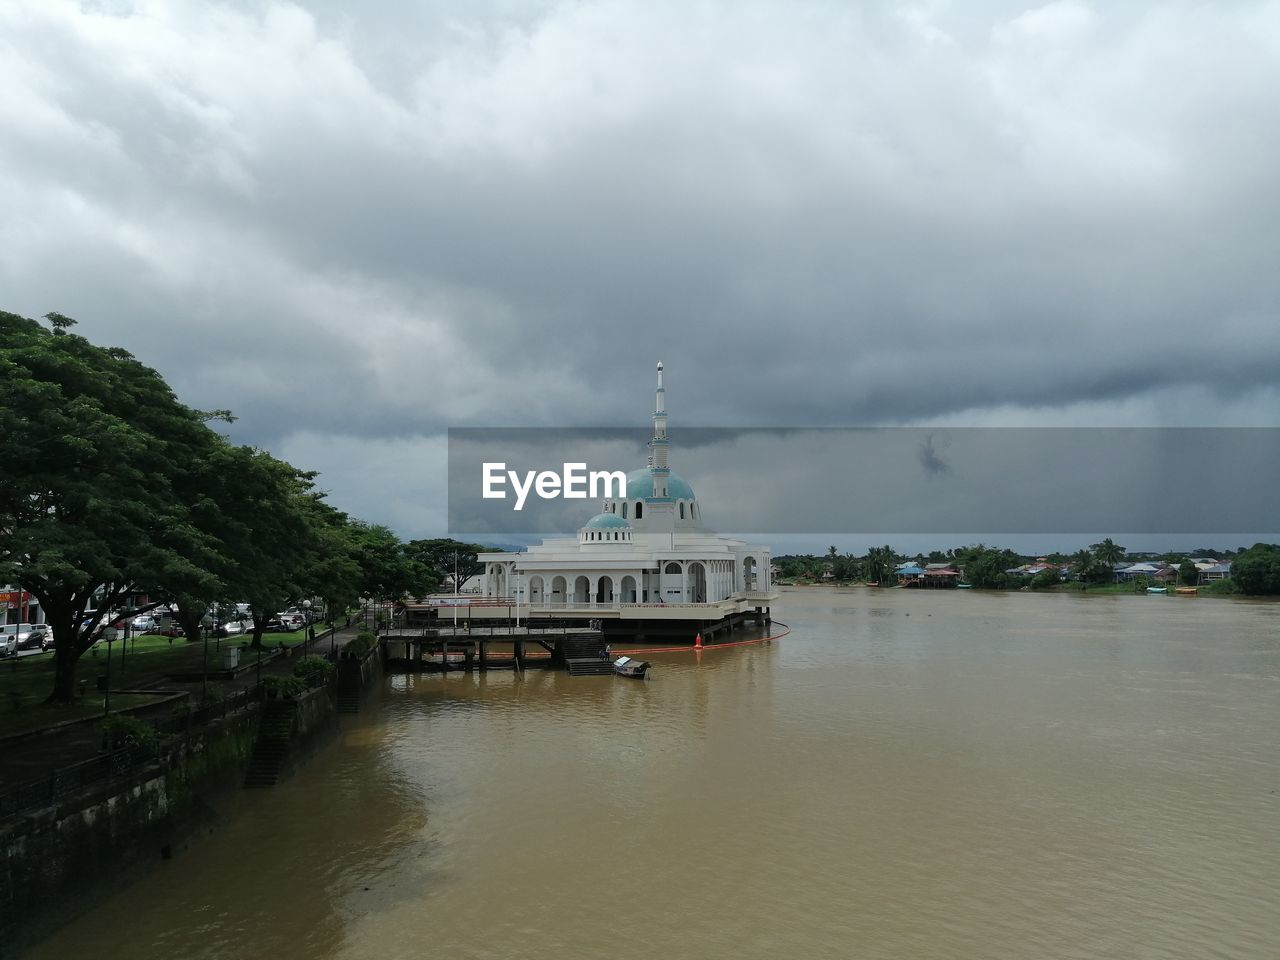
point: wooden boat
(630, 667)
(1186, 591)
(964, 586)
(1157, 589)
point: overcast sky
(359, 227)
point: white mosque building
(644, 556)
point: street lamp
(128, 623)
(109, 635)
(333, 635)
(306, 625)
(207, 622)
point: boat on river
(1157, 589)
(631, 667)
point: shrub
(123, 730)
(1046, 578)
(312, 668)
(362, 644)
(286, 687)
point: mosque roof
(607, 520)
(640, 485)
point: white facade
(647, 549)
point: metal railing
(72, 778)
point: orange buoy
(697, 642)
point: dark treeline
(111, 489)
(1255, 570)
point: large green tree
(98, 462)
(1257, 570)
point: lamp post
(207, 622)
(128, 623)
(306, 625)
(333, 635)
(108, 634)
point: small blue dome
(606, 520)
(640, 485)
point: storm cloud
(358, 228)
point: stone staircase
(582, 656)
(271, 749)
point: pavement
(37, 755)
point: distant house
(1218, 571)
(909, 575)
(940, 575)
(1135, 570)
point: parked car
(8, 645)
(145, 623)
(34, 636)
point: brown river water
(907, 775)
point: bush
(286, 687)
(362, 644)
(312, 668)
(124, 730)
(1046, 578)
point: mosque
(644, 564)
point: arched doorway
(749, 573)
(627, 591)
(558, 588)
(581, 590)
(535, 589)
(697, 583)
(604, 592)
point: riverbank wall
(61, 860)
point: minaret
(659, 445)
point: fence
(64, 781)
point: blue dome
(640, 485)
(606, 520)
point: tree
(1257, 570)
(388, 568)
(1085, 566)
(1188, 574)
(1108, 552)
(986, 570)
(879, 564)
(97, 459)
(440, 556)
(1048, 577)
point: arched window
(681, 509)
(624, 511)
(639, 510)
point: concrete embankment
(62, 858)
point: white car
(144, 623)
(8, 645)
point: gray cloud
(369, 226)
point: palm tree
(1084, 566)
(1108, 552)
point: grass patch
(26, 681)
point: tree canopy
(111, 488)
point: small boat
(1186, 591)
(630, 667)
(964, 586)
(1157, 589)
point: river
(907, 775)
